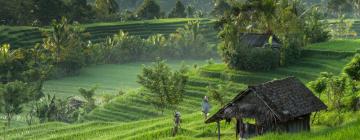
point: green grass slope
(193, 127)
(133, 106)
(345, 45)
(109, 79)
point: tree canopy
(166, 87)
(106, 7)
(149, 10)
(178, 11)
(353, 68)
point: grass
(109, 79)
(346, 132)
(347, 45)
(160, 128)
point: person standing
(177, 121)
(205, 107)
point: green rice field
(130, 117)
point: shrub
(123, 48)
(330, 119)
(353, 68)
(338, 90)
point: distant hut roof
(288, 98)
(259, 40)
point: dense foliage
(337, 8)
(105, 8)
(65, 46)
(187, 42)
(43, 11)
(22, 73)
(166, 87)
(353, 68)
(282, 19)
(15, 95)
(340, 93)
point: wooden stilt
(218, 126)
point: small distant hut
(260, 40)
(281, 105)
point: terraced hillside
(130, 117)
(26, 37)
(19, 37)
(356, 27)
(134, 106)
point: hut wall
(298, 124)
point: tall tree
(106, 7)
(65, 44)
(6, 11)
(24, 11)
(220, 7)
(190, 11)
(166, 87)
(47, 10)
(15, 94)
(79, 10)
(149, 10)
(178, 11)
(339, 7)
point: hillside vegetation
(27, 37)
(129, 116)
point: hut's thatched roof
(287, 98)
(259, 40)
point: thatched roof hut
(260, 40)
(279, 105)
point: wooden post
(218, 126)
(3, 125)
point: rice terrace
(179, 69)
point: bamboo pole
(218, 126)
